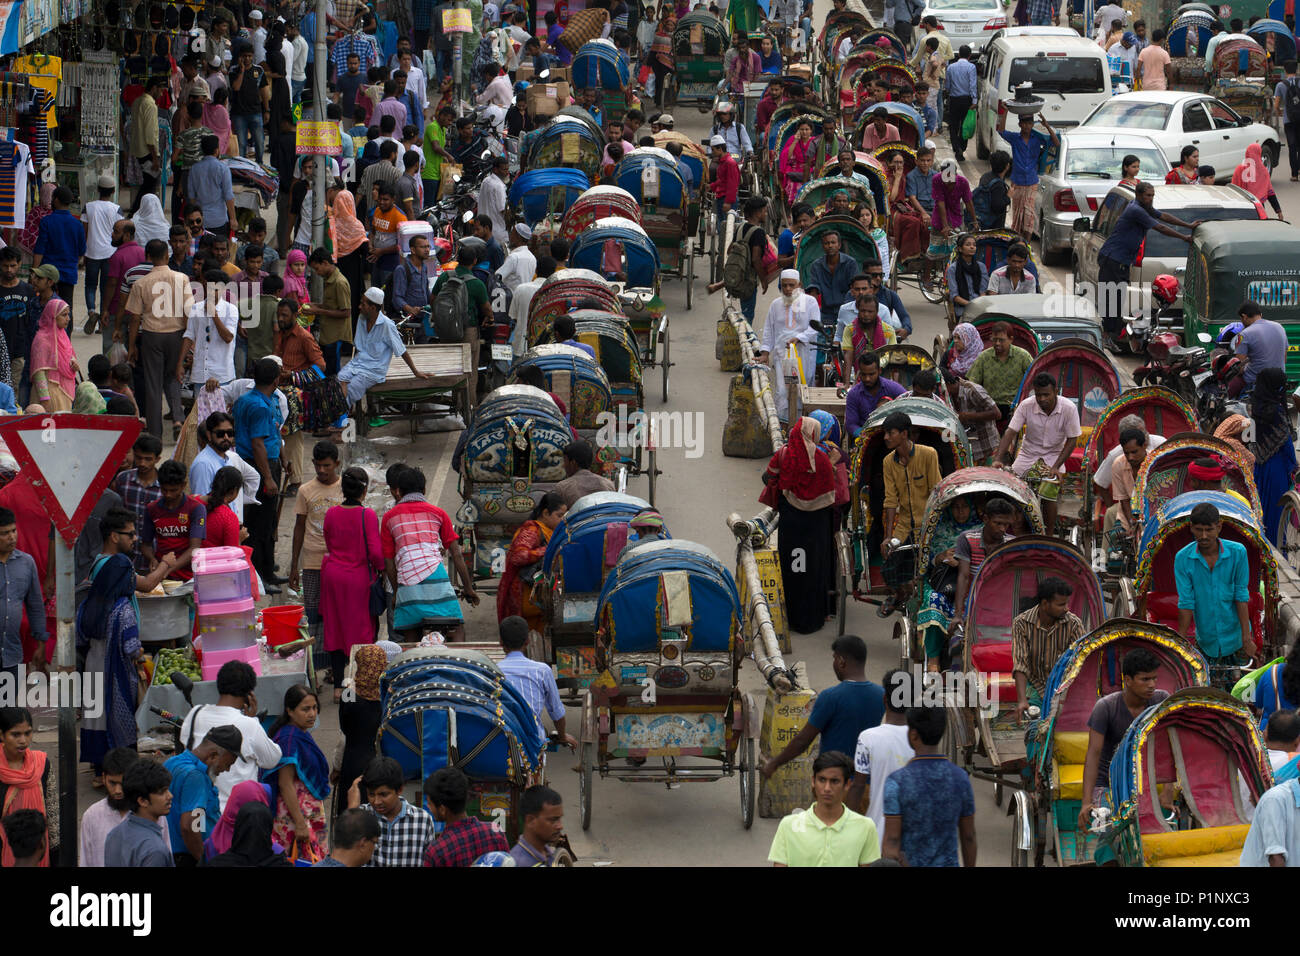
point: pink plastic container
(221, 576)
(227, 632)
(212, 660)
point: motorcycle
(1138, 331)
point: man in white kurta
(789, 322)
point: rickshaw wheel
(652, 475)
(748, 789)
(665, 363)
(562, 858)
(584, 783)
(690, 273)
(997, 793)
(934, 287)
(1288, 530)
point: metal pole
(457, 57)
(319, 100)
(67, 662)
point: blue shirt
(844, 711)
(785, 243)
(535, 682)
(890, 300)
(410, 286)
(1275, 828)
(1264, 344)
(1129, 231)
(307, 27)
(575, 344)
(258, 416)
(20, 589)
(192, 792)
(930, 115)
(136, 842)
(209, 185)
(1024, 156)
(1211, 594)
(61, 242)
(961, 78)
(932, 794)
(920, 185)
(375, 348)
(834, 284)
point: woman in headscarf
(909, 224)
(295, 276)
(249, 791)
(804, 482)
(150, 223)
(32, 224)
(1230, 430)
(350, 246)
(865, 213)
(830, 443)
(485, 56)
(936, 602)
(25, 779)
(53, 361)
(108, 631)
(301, 778)
(967, 278)
(359, 719)
(216, 117)
(250, 841)
(1252, 176)
(1274, 450)
(528, 547)
(965, 348)
(797, 160)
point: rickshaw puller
(1213, 578)
(1051, 432)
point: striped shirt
(413, 533)
(1035, 649)
(359, 44)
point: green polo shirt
(434, 135)
(803, 840)
(1000, 377)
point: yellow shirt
(44, 73)
(907, 488)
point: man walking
(1213, 578)
(1286, 103)
(1263, 342)
(828, 833)
(881, 750)
(210, 188)
(929, 804)
(1027, 147)
(257, 441)
(61, 241)
(961, 94)
(250, 103)
(142, 138)
(159, 305)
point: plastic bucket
(280, 623)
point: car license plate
(502, 353)
(963, 28)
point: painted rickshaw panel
(1163, 474)
(1084, 374)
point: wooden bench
(454, 372)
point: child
(999, 193)
(120, 377)
(921, 101)
(257, 237)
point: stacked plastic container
(223, 593)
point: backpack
(1292, 101)
(738, 274)
(451, 308)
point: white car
(967, 22)
(1175, 120)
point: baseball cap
(46, 271)
(666, 119)
(1129, 37)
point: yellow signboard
(769, 573)
(457, 21)
(318, 138)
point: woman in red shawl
(805, 485)
(528, 548)
(25, 780)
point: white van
(1071, 74)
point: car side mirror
(1243, 121)
(1204, 338)
(1082, 224)
(468, 217)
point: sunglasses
(224, 433)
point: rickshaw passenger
(869, 330)
(919, 185)
(1102, 478)
(1133, 442)
(880, 130)
(1039, 637)
(867, 393)
(973, 546)
(1051, 431)
(1001, 367)
(581, 479)
(910, 471)
(1213, 579)
(831, 275)
(1013, 278)
(967, 278)
(1111, 717)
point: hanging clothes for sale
(15, 167)
(44, 72)
(37, 116)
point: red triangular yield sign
(69, 459)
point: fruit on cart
(171, 659)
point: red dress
(223, 529)
(527, 547)
(352, 557)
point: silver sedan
(1088, 166)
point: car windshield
(1104, 162)
(1160, 246)
(1121, 113)
(1058, 74)
(943, 5)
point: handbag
(378, 599)
(968, 125)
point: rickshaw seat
(993, 657)
(1208, 846)
(1070, 748)
(1162, 608)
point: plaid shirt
(463, 842)
(359, 44)
(983, 436)
(137, 498)
(404, 840)
(1041, 12)
(414, 533)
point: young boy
(257, 237)
(464, 838)
(180, 260)
(138, 840)
(921, 101)
(25, 830)
(120, 378)
(138, 487)
(175, 524)
(315, 497)
(406, 832)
